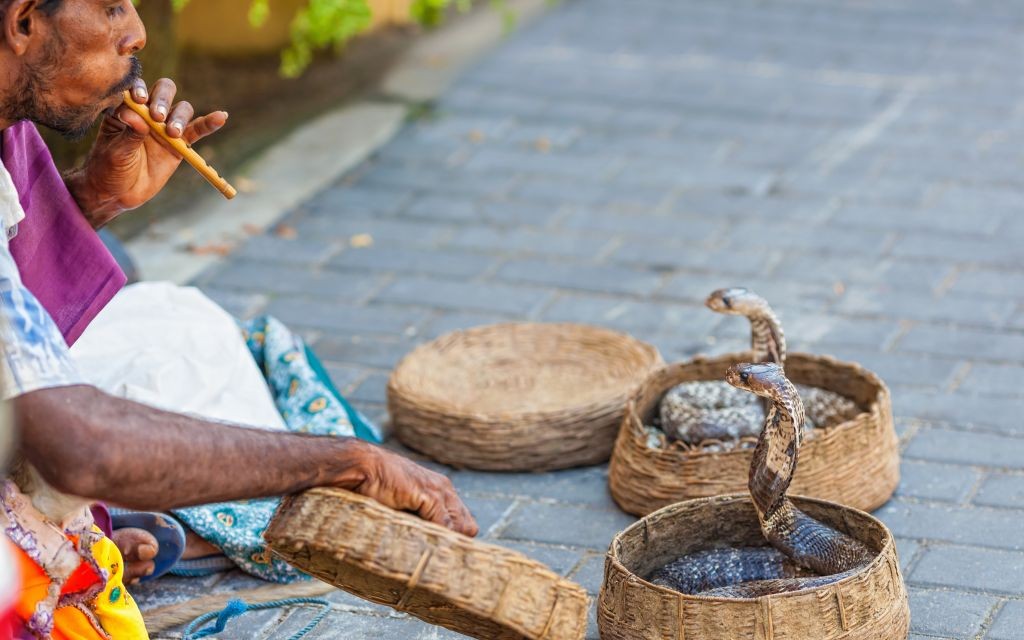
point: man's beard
(28, 98)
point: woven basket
(855, 463)
(870, 605)
(518, 397)
(444, 578)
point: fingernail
(162, 110)
(150, 571)
(175, 127)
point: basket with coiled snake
(805, 553)
(666, 451)
(715, 415)
(762, 566)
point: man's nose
(134, 39)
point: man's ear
(20, 24)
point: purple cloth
(101, 516)
(61, 259)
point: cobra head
(736, 301)
(764, 379)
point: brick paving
(859, 163)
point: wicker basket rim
(674, 451)
(580, 413)
(407, 393)
(414, 522)
(880, 557)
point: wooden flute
(187, 152)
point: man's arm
(87, 443)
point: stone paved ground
(857, 162)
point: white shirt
(33, 353)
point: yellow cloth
(116, 612)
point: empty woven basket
(870, 605)
(444, 578)
(518, 397)
(855, 463)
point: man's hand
(127, 166)
(401, 484)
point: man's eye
(115, 10)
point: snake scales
(696, 412)
(804, 552)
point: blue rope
(236, 608)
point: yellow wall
(222, 26)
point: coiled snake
(694, 412)
(804, 552)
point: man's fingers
(441, 504)
(434, 510)
(181, 115)
(140, 93)
(161, 98)
(135, 123)
(463, 520)
(204, 126)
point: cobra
(804, 552)
(694, 412)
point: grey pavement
(859, 163)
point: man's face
(79, 63)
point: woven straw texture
(518, 397)
(855, 463)
(871, 605)
(400, 561)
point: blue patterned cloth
(309, 403)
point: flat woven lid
(439, 576)
(510, 370)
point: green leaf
(323, 24)
(259, 11)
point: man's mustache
(129, 80)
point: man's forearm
(97, 446)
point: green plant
(324, 24)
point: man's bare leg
(196, 547)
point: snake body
(696, 412)
(804, 552)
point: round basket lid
(507, 371)
(444, 578)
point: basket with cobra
(854, 462)
(869, 604)
(518, 397)
(687, 434)
(762, 566)
(444, 578)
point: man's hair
(46, 6)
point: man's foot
(149, 542)
(138, 549)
